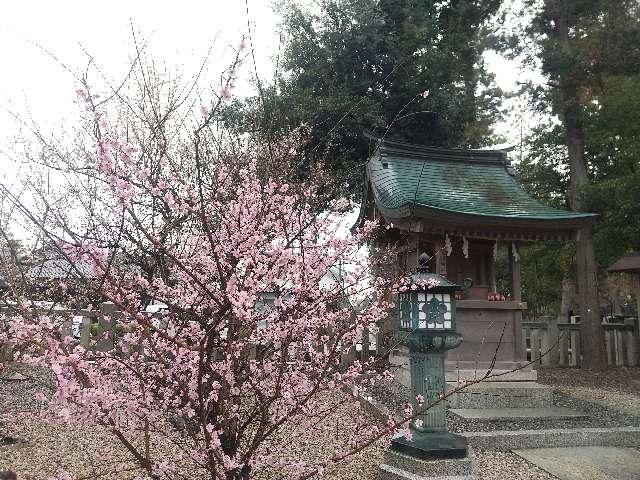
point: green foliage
(544, 265)
(592, 68)
(543, 171)
(613, 150)
(362, 65)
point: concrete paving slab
(586, 463)
(491, 414)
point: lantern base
(431, 445)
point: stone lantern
(427, 326)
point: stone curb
(387, 472)
(429, 468)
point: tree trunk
(587, 285)
(591, 330)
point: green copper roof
(410, 180)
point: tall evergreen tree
(581, 42)
(410, 70)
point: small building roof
(628, 264)
(60, 269)
(464, 187)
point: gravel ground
(610, 398)
(616, 389)
(621, 379)
(45, 448)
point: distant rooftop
(59, 269)
(628, 264)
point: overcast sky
(35, 84)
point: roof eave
(427, 212)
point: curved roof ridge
(408, 150)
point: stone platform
(505, 401)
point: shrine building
(461, 207)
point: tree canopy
(410, 69)
(588, 52)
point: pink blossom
(225, 93)
(210, 252)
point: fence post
(535, 348)
(563, 348)
(632, 359)
(67, 328)
(105, 327)
(619, 347)
(576, 347)
(609, 347)
(551, 344)
(6, 352)
(6, 349)
(85, 332)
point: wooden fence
(95, 329)
(547, 342)
(550, 343)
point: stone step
(387, 472)
(498, 373)
(506, 414)
(501, 395)
(428, 468)
(505, 440)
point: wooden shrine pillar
(516, 292)
(493, 286)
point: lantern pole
(426, 313)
